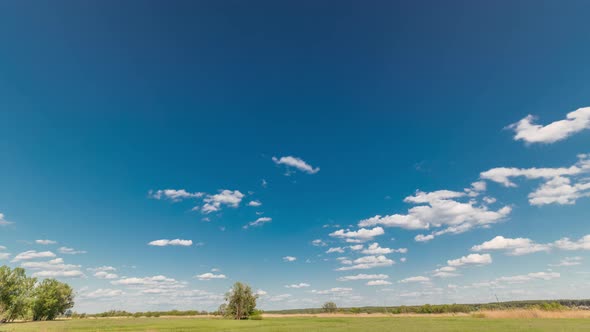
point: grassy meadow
(360, 323)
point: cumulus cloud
(569, 261)
(515, 247)
(213, 203)
(361, 235)
(105, 275)
(54, 268)
(567, 244)
(300, 285)
(45, 242)
(472, 259)
(103, 293)
(296, 163)
(259, 222)
(318, 243)
(155, 282)
(59, 274)
(3, 221)
(32, 254)
(378, 283)
(367, 262)
(254, 203)
(336, 291)
(530, 277)
(210, 276)
(336, 249)
(4, 255)
(526, 130)
(375, 249)
(423, 238)
(415, 279)
(289, 259)
(445, 272)
(561, 185)
(175, 242)
(441, 209)
(363, 276)
(70, 251)
(175, 195)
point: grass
(349, 324)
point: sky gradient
(154, 153)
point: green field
(307, 324)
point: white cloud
(173, 194)
(32, 254)
(175, 242)
(70, 251)
(158, 281)
(336, 249)
(259, 222)
(415, 279)
(529, 132)
(441, 209)
(559, 190)
(561, 185)
(378, 283)
(567, 244)
(53, 268)
(254, 203)
(210, 276)
(103, 293)
(300, 285)
(529, 277)
(297, 163)
(4, 255)
(445, 272)
(58, 274)
(356, 247)
(45, 242)
(3, 221)
(336, 291)
(569, 261)
(367, 262)
(319, 243)
(423, 238)
(375, 249)
(289, 259)
(261, 292)
(226, 197)
(361, 235)
(515, 247)
(101, 268)
(363, 276)
(105, 275)
(472, 259)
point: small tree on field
(241, 302)
(329, 307)
(15, 293)
(52, 298)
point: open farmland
(357, 323)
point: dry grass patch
(532, 313)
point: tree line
(26, 298)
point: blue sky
(142, 121)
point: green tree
(241, 302)
(15, 293)
(329, 307)
(52, 298)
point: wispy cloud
(526, 130)
(296, 163)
